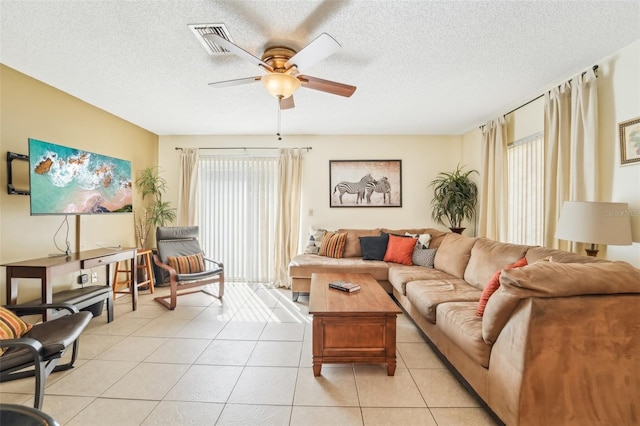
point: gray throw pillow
(423, 257)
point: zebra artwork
(382, 186)
(354, 188)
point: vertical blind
(236, 214)
(525, 159)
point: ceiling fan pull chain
(279, 112)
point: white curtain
(570, 132)
(492, 211)
(238, 201)
(288, 215)
(525, 158)
(187, 189)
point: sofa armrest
(568, 360)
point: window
(525, 158)
(236, 213)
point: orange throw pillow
(400, 250)
(494, 283)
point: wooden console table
(47, 267)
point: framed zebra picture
(365, 183)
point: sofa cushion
(425, 296)
(303, 265)
(400, 275)
(553, 279)
(352, 245)
(459, 322)
(535, 254)
(333, 244)
(374, 248)
(453, 254)
(400, 250)
(488, 256)
(494, 283)
(315, 240)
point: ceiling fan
(284, 68)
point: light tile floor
(243, 361)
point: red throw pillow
(494, 283)
(400, 250)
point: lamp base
(592, 252)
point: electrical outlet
(94, 277)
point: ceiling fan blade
(328, 86)
(237, 50)
(320, 48)
(287, 103)
(236, 82)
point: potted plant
(454, 198)
(158, 212)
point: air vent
(220, 29)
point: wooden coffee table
(357, 327)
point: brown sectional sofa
(559, 342)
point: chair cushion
(11, 326)
(187, 264)
(177, 241)
(55, 336)
(333, 244)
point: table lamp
(595, 223)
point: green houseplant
(454, 198)
(158, 212)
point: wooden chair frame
(180, 282)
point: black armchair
(40, 349)
(178, 247)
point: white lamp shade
(280, 85)
(595, 223)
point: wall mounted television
(69, 181)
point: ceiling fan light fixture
(280, 85)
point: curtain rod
(308, 148)
(595, 67)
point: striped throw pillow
(333, 244)
(11, 326)
(187, 264)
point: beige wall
(423, 157)
(30, 108)
(618, 100)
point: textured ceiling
(421, 67)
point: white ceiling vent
(220, 29)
